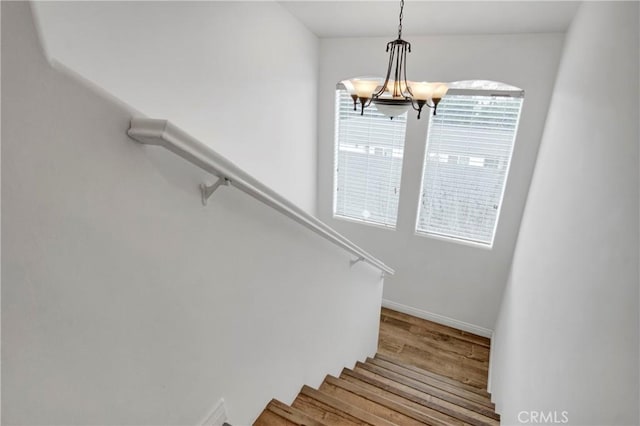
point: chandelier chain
(400, 17)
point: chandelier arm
(392, 60)
(419, 104)
(406, 82)
(435, 101)
(386, 80)
(398, 72)
(364, 103)
(430, 105)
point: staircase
(423, 374)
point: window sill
(455, 240)
(363, 222)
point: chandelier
(396, 94)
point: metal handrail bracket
(150, 131)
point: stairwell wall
(566, 340)
(124, 300)
(216, 68)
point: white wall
(449, 279)
(216, 69)
(124, 300)
(567, 335)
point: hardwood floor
(447, 351)
(423, 374)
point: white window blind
(469, 147)
(368, 159)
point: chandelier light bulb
(364, 88)
(440, 90)
(422, 91)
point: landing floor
(444, 350)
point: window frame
(515, 93)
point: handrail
(161, 132)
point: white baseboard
(440, 319)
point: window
(368, 160)
(469, 147)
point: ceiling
(380, 18)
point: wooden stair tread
(431, 381)
(431, 390)
(351, 410)
(423, 398)
(367, 405)
(324, 412)
(454, 332)
(390, 408)
(434, 339)
(481, 392)
(277, 413)
(351, 377)
(454, 366)
(459, 405)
